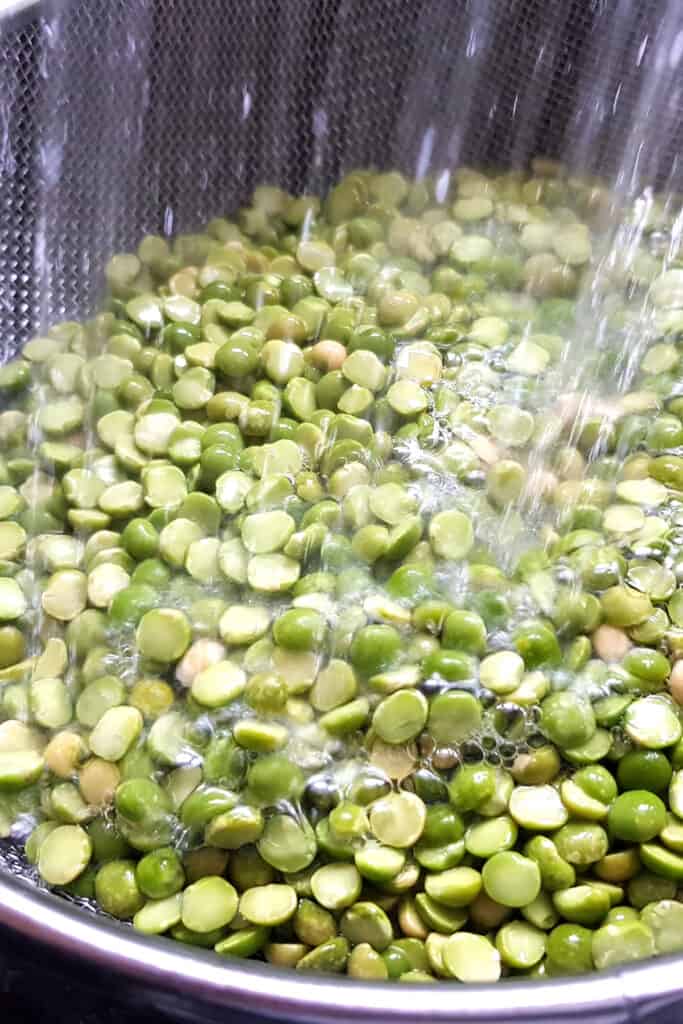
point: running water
(603, 351)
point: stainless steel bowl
(197, 986)
(119, 117)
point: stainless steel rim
(14, 13)
(195, 975)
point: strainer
(122, 117)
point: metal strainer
(122, 117)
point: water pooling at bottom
(336, 632)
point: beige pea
(676, 682)
(409, 920)
(570, 464)
(98, 780)
(543, 483)
(63, 753)
(184, 282)
(396, 762)
(202, 654)
(327, 355)
(569, 406)
(610, 643)
(485, 449)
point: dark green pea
(430, 616)
(330, 388)
(161, 517)
(224, 290)
(178, 336)
(651, 666)
(556, 872)
(576, 612)
(266, 693)
(665, 432)
(152, 572)
(471, 786)
(648, 888)
(597, 782)
(107, 841)
(225, 762)
(313, 924)
(140, 539)
(116, 889)
(237, 357)
(581, 843)
(140, 800)
(411, 584)
(131, 603)
(86, 631)
(668, 469)
(492, 607)
(452, 666)
(300, 629)
(274, 777)
(374, 339)
(567, 719)
(443, 825)
(569, 949)
(396, 961)
(283, 430)
(636, 816)
(581, 517)
(631, 433)
(12, 646)
(644, 769)
(340, 323)
(204, 940)
(204, 803)
(465, 631)
(375, 648)
(222, 433)
(247, 869)
(368, 785)
(537, 645)
(336, 553)
(217, 459)
(427, 785)
(326, 512)
(600, 567)
(125, 326)
(160, 873)
(15, 376)
(295, 288)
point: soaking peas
(330, 632)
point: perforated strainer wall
(119, 117)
